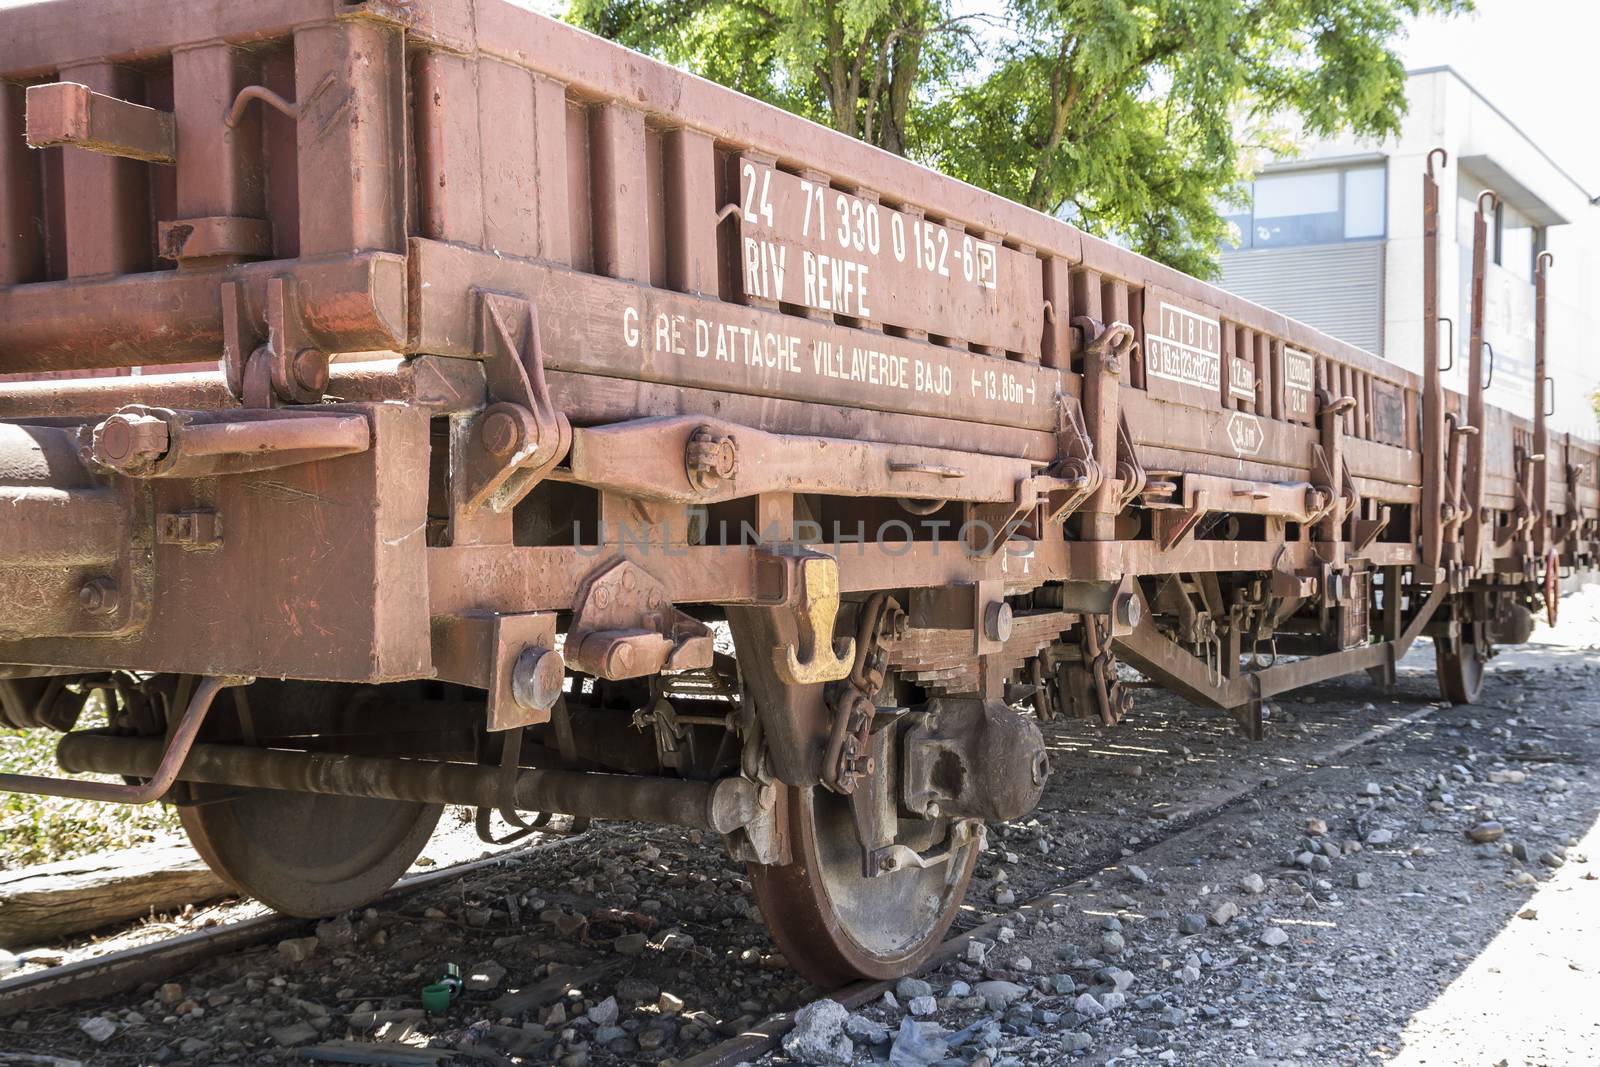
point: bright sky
(1535, 61)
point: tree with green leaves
(1131, 118)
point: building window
(1311, 207)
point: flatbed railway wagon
(571, 435)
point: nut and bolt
(997, 621)
(1128, 610)
(98, 596)
(710, 459)
(131, 440)
(537, 678)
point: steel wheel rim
(834, 925)
(1461, 668)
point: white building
(1334, 238)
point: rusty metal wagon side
(525, 424)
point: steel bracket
(624, 626)
(1172, 525)
(1129, 470)
(1075, 469)
(515, 441)
(289, 367)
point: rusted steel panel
(22, 222)
(349, 92)
(601, 326)
(106, 197)
(355, 304)
(619, 190)
(319, 573)
(41, 38)
(66, 113)
(451, 167)
(512, 192)
(690, 161)
(842, 253)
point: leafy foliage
(39, 829)
(1124, 116)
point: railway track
(128, 969)
(1186, 811)
(1192, 824)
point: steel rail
(130, 968)
(763, 1038)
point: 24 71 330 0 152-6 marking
(353, 545)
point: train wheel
(1552, 587)
(834, 924)
(1460, 664)
(304, 854)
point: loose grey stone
(1087, 1006)
(637, 990)
(1112, 943)
(1138, 874)
(604, 1013)
(917, 1044)
(1192, 924)
(1253, 884)
(484, 977)
(630, 944)
(297, 949)
(293, 1034)
(336, 933)
(1361, 880)
(1273, 936)
(865, 1030)
(818, 1036)
(99, 1028)
(1000, 994)
(908, 989)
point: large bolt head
(1129, 612)
(500, 433)
(537, 677)
(997, 621)
(130, 440)
(99, 596)
(310, 369)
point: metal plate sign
(804, 243)
(1388, 413)
(1245, 434)
(1299, 384)
(1241, 379)
(1182, 349)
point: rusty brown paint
(487, 291)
